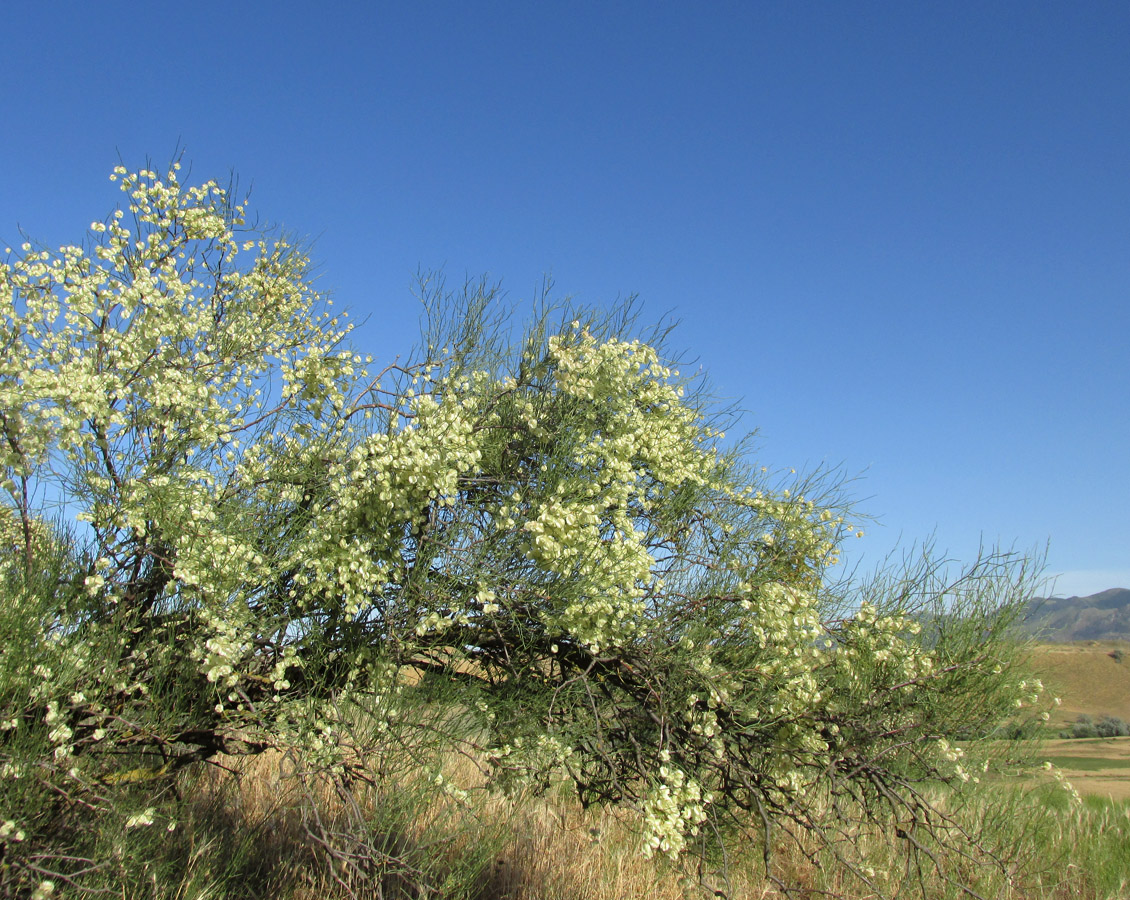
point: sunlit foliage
(226, 531)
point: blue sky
(898, 233)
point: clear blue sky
(899, 233)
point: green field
(1098, 767)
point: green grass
(1087, 763)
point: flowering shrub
(284, 547)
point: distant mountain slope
(1088, 678)
(1100, 617)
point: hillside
(1100, 617)
(1086, 677)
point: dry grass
(1086, 678)
(493, 847)
(538, 849)
(542, 848)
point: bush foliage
(1107, 726)
(225, 532)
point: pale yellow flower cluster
(180, 383)
(629, 441)
(673, 810)
(141, 369)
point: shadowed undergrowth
(252, 832)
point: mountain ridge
(1104, 616)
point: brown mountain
(1104, 616)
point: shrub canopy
(535, 548)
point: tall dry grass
(247, 831)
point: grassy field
(242, 840)
(523, 848)
(243, 832)
(1095, 766)
(1089, 680)
(1086, 678)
